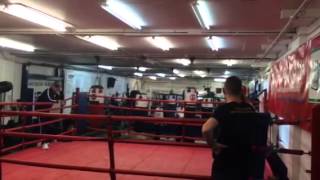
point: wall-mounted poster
(314, 81)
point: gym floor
(159, 158)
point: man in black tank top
(230, 161)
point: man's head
(56, 87)
(233, 87)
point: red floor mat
(172, 159)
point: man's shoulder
(222, 109)
(231, 106)
(224, 106)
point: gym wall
(178, 85)
(288, 97)
(11, 71)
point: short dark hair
(233, 86)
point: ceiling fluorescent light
(185, 62)
(161, 75)
(176, 71)
(220, 80)
(142, 69)
(35, 16)
(229, 62)
(124, 12)
(198, 72)
(202, 12)
(181, 75)
(215, 43)
(138, 74)
(160, 42)
(105, 67)
(153, 77)
(8, 43)
(102, 41)
(172, 78)
(227, 72)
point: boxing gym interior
(151, 89)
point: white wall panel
(11, 71)
(84, 80)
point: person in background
(55, 96)
(230, 162)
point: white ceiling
(247, 28)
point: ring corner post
(1, 143)
(111, 148)
(315, 140)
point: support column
(315, 159)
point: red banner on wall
(288, 91)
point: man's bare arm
(208, 128)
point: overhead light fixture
(185, 62)
(102, 41)
(220, 80)
(8, 43)
(198, 72)
(176, 71)
(202, 12)
(124, 13)
(105, 67)
(153, 77)
(215, 43)
(161, 75)
(172, 78)
(227, 72)
(160, 42)
(35, 16)
(229, 62)
(138, 74)
(142, 69)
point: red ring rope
(109, 139)
(35, 125)
(4, 150)
(29, 103)
(147, 110)
(59, 108)
(158, 100)
(106, 117)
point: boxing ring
(105, 157)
